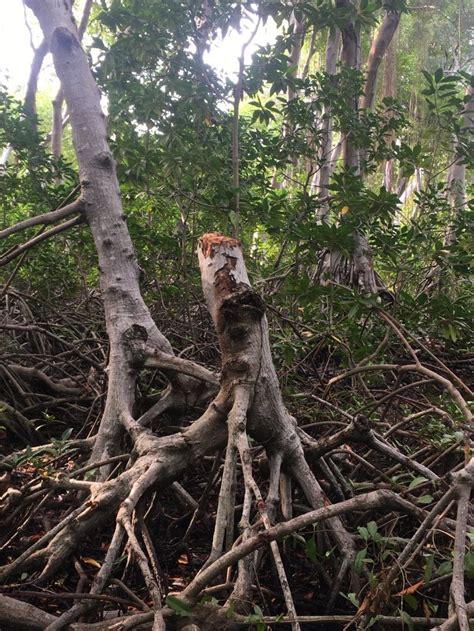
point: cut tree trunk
(249, 400)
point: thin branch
(164, 361)
(6, 258)
(45, 219)
(453, 391)
(465, 481)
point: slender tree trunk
(381, 44)
(119, 272)
(389, 90)
(350, 57)
(457, 172)
(32, 87)
(379, 47)
(295, 56)
(321, 179)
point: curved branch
(164, 361)
(34, 374)
(374, 499)
(45, 219)
(453, 391)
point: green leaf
(411, 601)
(178, 606)
(310, 549)
(425, 499)
(359, 560)
(429, 568)
(469, 565)
(445, 568)
(416, 482)
(352, 598)
(372, 528)
(363, 532)
(438, 75)
(234, 218)
(258, 611)
(66, 434)
(408, 619)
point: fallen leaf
(91, 562)
(411, 589)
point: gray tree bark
(119, 273)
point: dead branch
(9, 256)
(45, 219)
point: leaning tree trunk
(119, 271)
(381, 44)
(379, 47)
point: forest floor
(421, 441)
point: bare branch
(10, 256)
(45, 219)
(164, 361)
(30, 97)
(23, 615)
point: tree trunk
(32, 87)
(379, 47)
(457, 172)
(119, 273)
(350, 57)
(389, 90)
(327, 165)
